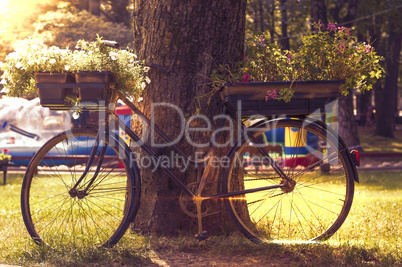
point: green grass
(371, 235)
(371, 143)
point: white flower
(30, 62)
(140, 99)
(143, 84)
(113, 55)
(52, 61)
(66, 67)
(3, 81)
(4, 90)
(18, 65)
(146, 69)
(76, 115)
(147, 79)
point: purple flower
(289, 57)
(331, 27)
(246, 78)
(262, 40)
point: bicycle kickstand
(202, 235)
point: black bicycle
(289, 178)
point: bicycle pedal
(202, 236)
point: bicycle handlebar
(115, 44)
(155, 66)
(111, 43)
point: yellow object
(294, 137)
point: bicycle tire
(314, 207)
(100, 218)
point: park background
(372, 126)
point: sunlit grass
(371, 143)
(91, 219)
(311, 208)
(371, 235)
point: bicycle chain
(258, 179)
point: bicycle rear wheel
(101, 216)
(312, 205)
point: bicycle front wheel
(310, 204)
(100, 209)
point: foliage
(34, 56)
(337, 55)
(129, 72)
(65, 27)
(31, 56)
(331, 54)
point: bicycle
(84, 185)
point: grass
(371, 143)
(371, 235)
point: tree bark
(261, 16)
(347, 124)
(189, 38)
(284, 24)
(387, 114)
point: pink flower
(342, 47)
(271, 94)
(367, 49)
(331, 27)
(5, 150)
(289, 57)
(347, 30)
(246, 78)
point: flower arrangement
(4, 155)
(331, 53)
(29, 57)
(33, 56)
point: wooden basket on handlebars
(61, 91)
(248, 99)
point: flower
(331, 54)
(33, 56)
(113, 55)
(271, 94)
(246, 78)
(367, 49)
(331, 27)
(347, 30)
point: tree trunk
(189, 38)
(261, 16)
(347, 123)
(94, 7)
(284, 24)
(387, 114)
(120, 12)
